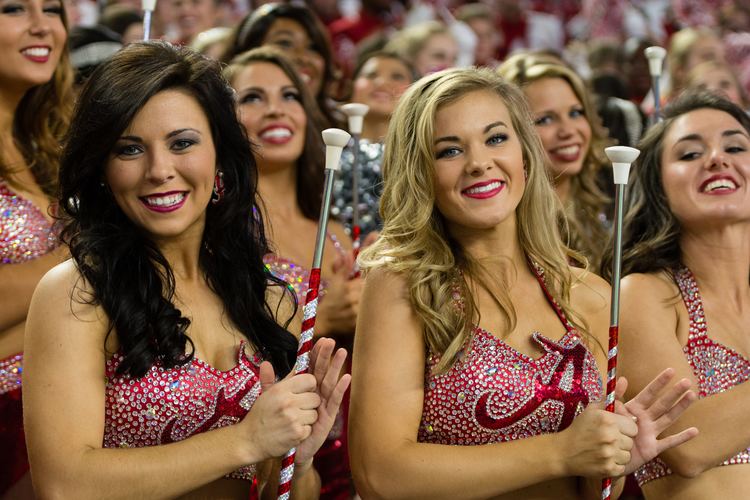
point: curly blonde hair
(39, 123)
(582, 227)
(414, 241)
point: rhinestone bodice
(717, 367)
(495, 393)
(25, 233)
(168, 405)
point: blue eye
(292, 95)
(543, 120)
(735, 149)
(182, 144)
(577, 113)
(128, 150)
(448, 152)
(692, 155)
(497, 139)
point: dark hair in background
(251, 31)
(89, 47)
(131, 279)
(651, 233)
(40, 121)
(311, 164)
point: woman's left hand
(654, 412)
(327, 367)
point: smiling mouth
(37, 54)
(719, 185)
(164, 203)
(484, 191)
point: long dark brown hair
(311, 164)
(651, 232)
(131, 279)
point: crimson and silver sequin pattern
(168, 405)
(717, 367)
(25, 234)
(495, 393)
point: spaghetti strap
(692, 298)
(539, 273)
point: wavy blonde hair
(414, 241)
(582, 226)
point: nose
(40, 23)
(274, 107)
(564, 128)
(478, 162)
(717, 160)
(160, 168)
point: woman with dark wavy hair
(283, 122)
(573, 140)
(153, 352)
(296, 30)
(686, 296)
(35, 97)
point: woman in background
(573, 141)
(35, 102)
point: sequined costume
(494, 393)
(25, 234)
(332, 460)
(717, 368)
(370, 187)
(169, 405)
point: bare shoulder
(646, 287)
(590, 293)
(381, 278)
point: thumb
(621, 387)
(267, 376)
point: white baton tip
(335, 140)
(149, 5)
(356, 113)
(655, 56)
(621, 158)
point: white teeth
(276, 133)
(36, 51)
(485, 188)
(165, 201)
(720, 184)
(568, 150)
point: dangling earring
(218, 192)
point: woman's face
(161, 170)
(561, 123)
(720, 81)
(291, 37)
(439, 52)
(271, 111)
(380, 83)
(706, 168)
(479, 171)
(32, 40)
(194, 16)
(706, 48)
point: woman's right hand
(283, 415)
(598, 443)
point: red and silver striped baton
(621, 157)
(335, 140)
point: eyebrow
(173, 133)
(698, 137)
(453, 138)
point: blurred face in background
(292, 38)
(720, 81)
(380, 83)
(32, 39)
(488, 40)
(191, 17)
(439, 52)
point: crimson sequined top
(494, 393)
(168, 405)
(717, 367)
